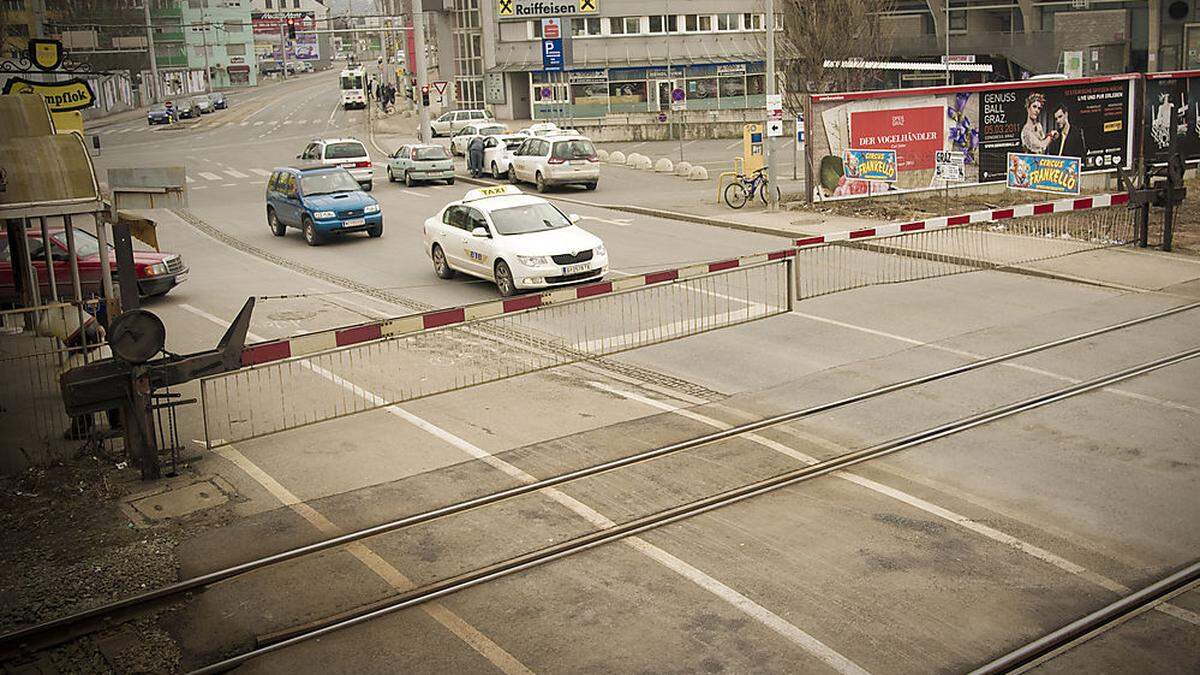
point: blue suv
(321, 202)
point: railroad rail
(697, 507)
(55, 630)
(1089, 626)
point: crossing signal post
(425, 96)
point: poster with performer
(1043, 173)
(1175, 94)
(1090, 120)
(877, 165)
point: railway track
(1093, 624)
(41, 635)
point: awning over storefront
(593, 53)
(911, 66)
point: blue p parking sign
(552, 54)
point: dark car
(157, 273)
(159, 115)
(187, 109)
(218, 100)
(320, 201)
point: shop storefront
(599, 92)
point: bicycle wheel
(762, 192)
(736, 195)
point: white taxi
(519, 241)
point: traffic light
(425, 96)
(291, 30)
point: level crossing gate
(315, 377)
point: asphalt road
(935, 559)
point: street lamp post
(772, 191)
(153, 89)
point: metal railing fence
(296, 392)
(912, 256)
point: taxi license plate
(578, 162)
(575, 269)
(180, 278)
(356, 222)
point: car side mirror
(480, 232)
(574, 218)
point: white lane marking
(200, 187)
(258, 123)
(242, 124)
(619, 222)
(733, 145)
(912, 500)
(287, 121)
(235, 173)
(749, 607)
(186, 178)
(228, 184)
(467, 633)
(415, 193)
(1017, 366)
(301, 121)
(261, 172)
(207, 175)
(383, 569)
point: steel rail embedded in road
(17, 637)
(1087, 627)
(675, 514)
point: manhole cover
(180, 501)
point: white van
(449, 123)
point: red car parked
(157, 273)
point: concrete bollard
(603, 155)
(663, 165)
(616, 157)
(632, 159)
(682, 169)
(698, 173)
(642, 163)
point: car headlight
(533, 260)
(323, 214)
(372, 208)
(599, 250)
(157, 269)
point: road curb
(657, 213)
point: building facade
(219, 40)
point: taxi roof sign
(495, 191)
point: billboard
(1043, 173)
(270, 28)
(1167, 94)
(1091, 119)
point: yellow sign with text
(65, 96)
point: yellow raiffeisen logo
(530, 9)
(74, 94)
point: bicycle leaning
(744, 188)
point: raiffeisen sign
(531, 9)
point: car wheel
(541, 182)
(367, 186)
(277, 228)
(409, 180)
(450, 181)
(495, 171)
(591, 186)
(375, 232)
(311, 236)
(440, 266)
(512, 175)
(391, 177)
(504, 279)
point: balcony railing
(1038, 50)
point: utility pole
(283, 45)
(383, 55)
(948, 41)
(421, 68)
(153, 89)
(204, 46)
(772, 185)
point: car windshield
(327, 183)
(199, 101)
(488, 131)
(529, 218)
(513, 143)
(85, 243)
(345, 150)
(579, 148)
(433, 153)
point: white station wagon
(519, 241)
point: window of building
(17, 30)
(14, 4)
(663, 24)
(958, 22)
(752, 21)
(295, 4)
(697, 23)
(268, 4)
(233, 26)
(585, 27)
(235, 49)
(728, 22)
(625, 25)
